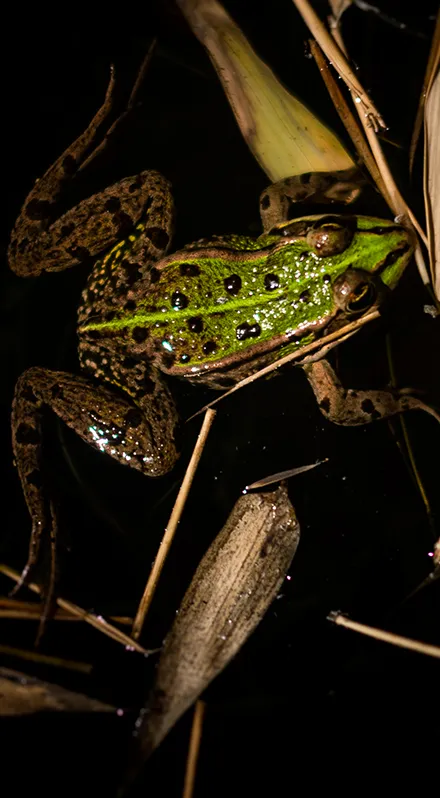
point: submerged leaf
(235, 583)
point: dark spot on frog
(179, 301)
(123, 222)
(209, 347)
(134, 418)
(302, 256)
(232, 284)
(368, 407)
(265, 202)
(137, 184)
(168, 359)
(130, 305)
(185, 358)
(325, 404)
(70, 165)
(158, 237)
(81, 253)
(195, 324)
(23, 244)
(27, 434)
(326, 278)
(38, 209)
(28, 394)
(133, 272)
(147, 385)
(93, 334)
(246, 330)
(110, 315)
(56, 391)
(129, 363)
(154, 275)
(113, 204)
(354, 394)
(140, 334)
(34, 478)
(189, 269)
(271, 282)
(67, 229)
(305, 296)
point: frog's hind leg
(138, 433)
(352, 407)
(45, 240)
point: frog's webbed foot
(351, 407)
(141, 437)
(278, 201)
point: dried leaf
(432, 179)
(283, 135)
(24, 695)
(234, 584)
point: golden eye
(361, 298)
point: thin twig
(322, 344)
(170, 530)
(45, 659)
(193, 751)
(386, 637)
(337, 57)
(94, 620)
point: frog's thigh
(112, 423)
(97, 223)
(350, 407)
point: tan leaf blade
(283, 135)
(25, 695)
(235, 582)
(432, 179)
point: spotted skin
(215, 312)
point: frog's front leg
(44, 240)
(138, 432)
(277, 202)
(351, 407)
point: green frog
(213, 313)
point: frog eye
(361, 298)
(329, 238)
(355, 292)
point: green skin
(214, 313)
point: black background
(303, 702)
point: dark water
(304, 706)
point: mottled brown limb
(277, 202)
(129, 429)
(349, 407)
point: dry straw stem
(393, 196)
(283, 135)
(94, 620)
(171, 528)
(431, 166)
(386, 637)
(338, 58)
(194, 748)
(45, 659)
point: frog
(213, 313)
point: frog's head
(361, 254)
